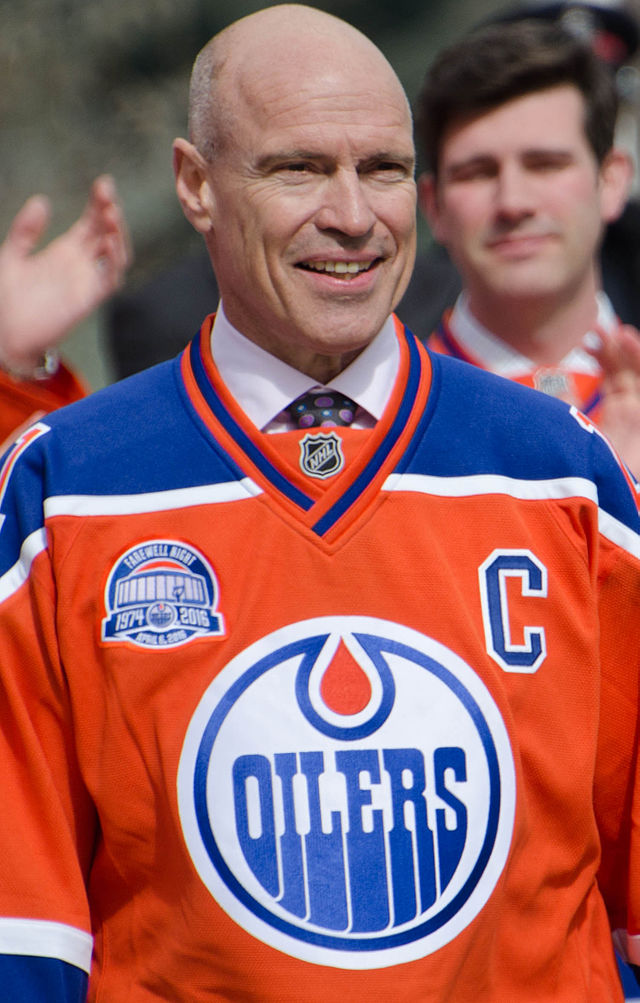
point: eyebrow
(383, 156)
(380, 156)
(273, 158)
(489, 159)
(479, 160)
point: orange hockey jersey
(335, 715)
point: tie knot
(322, 408)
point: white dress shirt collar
(263, 385)
(499, 357)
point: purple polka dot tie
(322, 409)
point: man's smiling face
(313, 202)
(520, 200)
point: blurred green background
(90, 86)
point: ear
(192, 185)
(616, 176)
(428, 202)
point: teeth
(339, 267)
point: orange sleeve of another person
(24, 401)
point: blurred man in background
(612, 31)
(517, 122)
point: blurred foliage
(90, 86)
(97, 85)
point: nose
(513, 193)
(345, 207)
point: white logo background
(251, 709)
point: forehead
(322, 111)
(553, 118)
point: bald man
(305, 198)
(312, 644)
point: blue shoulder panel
(478, 423)
(41, 980)
(133, 436)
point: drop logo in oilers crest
(347, 792)
(160, 594)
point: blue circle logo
(347, 792)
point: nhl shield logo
(553, 382)
(321, 455)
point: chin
(527, 281)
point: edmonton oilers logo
(161, 594)
(347, 792)
(321, 454)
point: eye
(297, 167)
(548, 161)
(387, 170)
(475, 170)
(295, 171)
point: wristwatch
(46, 367)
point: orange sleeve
(24, 401)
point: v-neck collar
(350, 492)
(264, 385)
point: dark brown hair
(498, 62)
